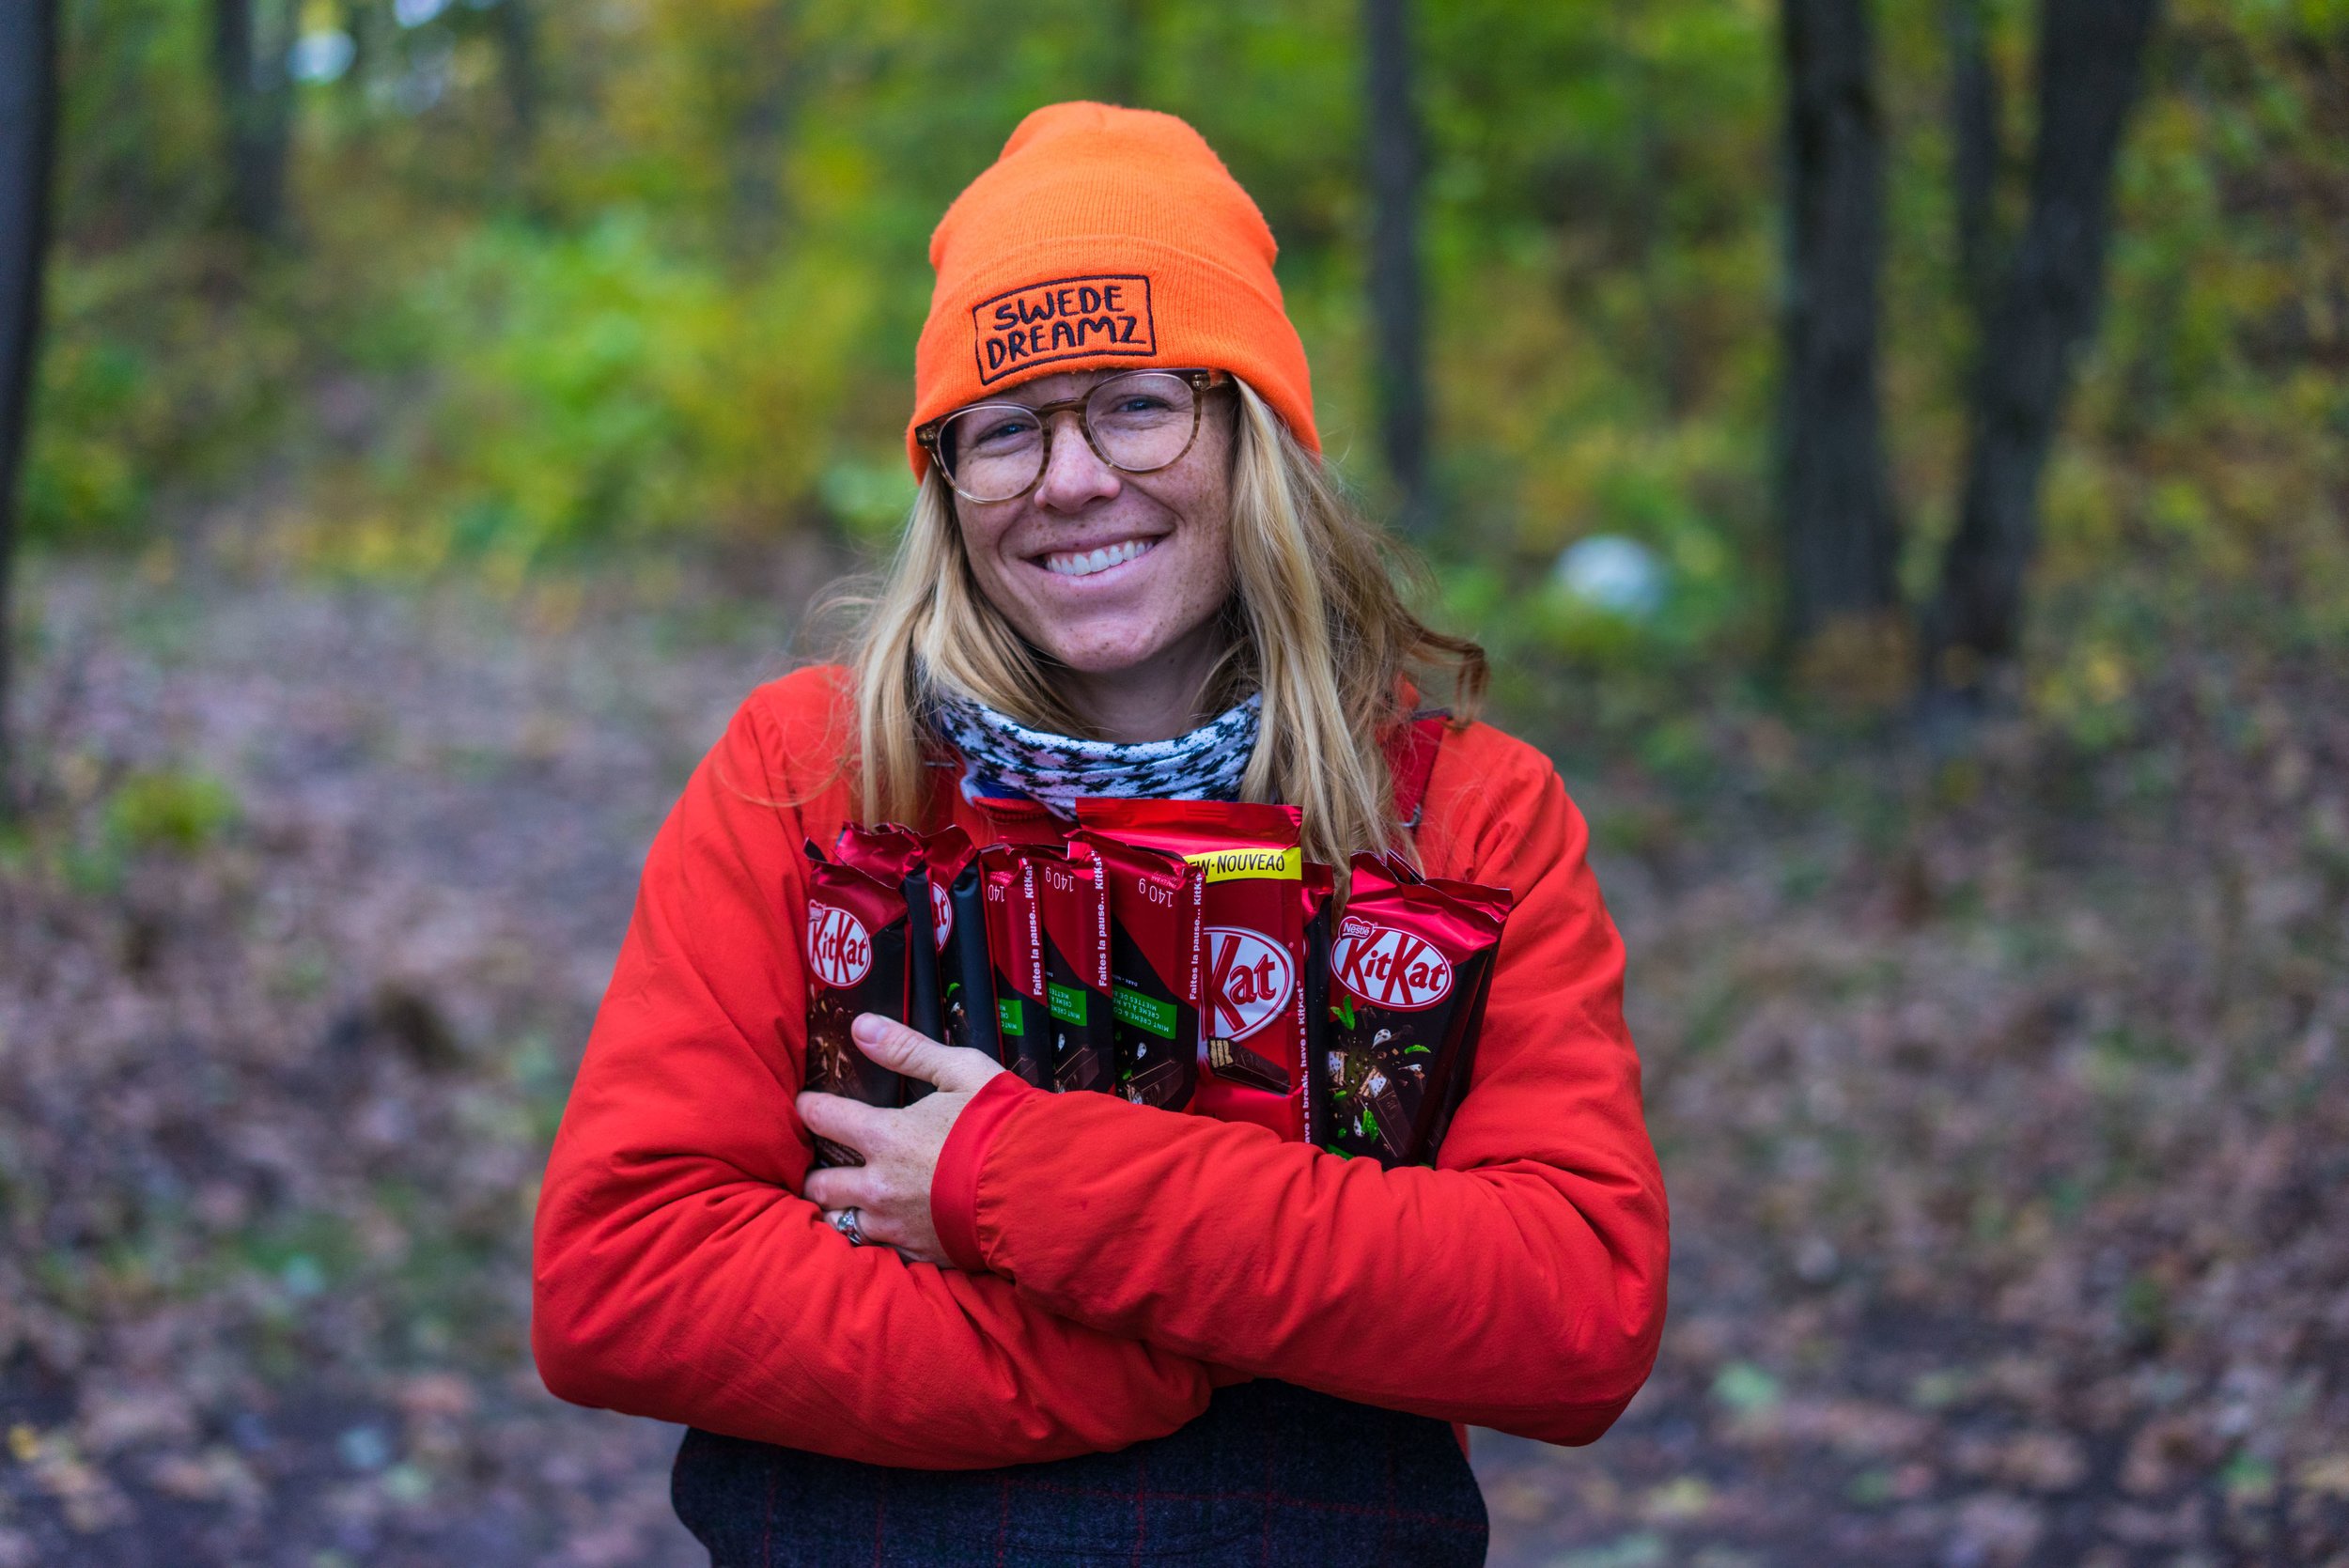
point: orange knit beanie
(1101, 238)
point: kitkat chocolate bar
(1015, 945)
(1251, 1015)
(855, 949)
(965, 979)
(1410, 966)
(1072, 894)
(1156, 907)
(894, 854)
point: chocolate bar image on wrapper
(1015, 945)
(1155, 937)
(855, 950)
(1410, 966)
(1073, 897)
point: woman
(1093, 1331)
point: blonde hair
(1315, 621)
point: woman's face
(1107, 572)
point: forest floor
(2004, 1101)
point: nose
(1075, 476)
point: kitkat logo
(839, 949)
(1389, 968)
(1064, 318)
(1249, 981)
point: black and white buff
(1005, 760)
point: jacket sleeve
(678, 1274)
(1519, 1285)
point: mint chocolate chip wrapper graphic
(1409, 963)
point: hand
(891, 1190)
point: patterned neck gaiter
(1004, 759)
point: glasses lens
(1143, 421)
(992, 452)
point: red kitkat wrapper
(1073, 895)
(856, 963)
(1015, 945)
(1251, 1010)
(1410, 966)
(1155, 908)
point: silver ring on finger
(843, 1220)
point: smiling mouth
(1086, 562)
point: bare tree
(2042, 313)
(250, 39)
(28, 128)
(1398, 332)
(1840, 532)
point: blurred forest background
(1898, 456)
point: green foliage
(684, 307)
(168, 810)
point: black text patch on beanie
(1063, 319)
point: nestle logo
(1065, 319)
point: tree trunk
(1976, 152)
(249, 42)
(1398, 334)
(2091, 58)
(518, 70)
(28, 124)
(1840, 532)
(1124, 37)
(760, 131)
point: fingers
(839, 1186)
(859, 1126)
(900, 1049)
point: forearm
(1522, 1295)
(731, 1306)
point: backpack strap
(1411, 757)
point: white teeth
(1085, 565)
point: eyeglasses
(1137, 423)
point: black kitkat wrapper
(855, 950)
(1073, 896)
(1015, 945)
(966, 979)
(1409, 966)
(1320, 910)
(892, 852)
(1156, 944)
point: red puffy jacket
(1133, 1260)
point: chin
(1109, 652)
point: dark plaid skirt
(1271, 1475)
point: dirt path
(283, 1100)
(2002, 1129)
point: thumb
(900, 1049)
